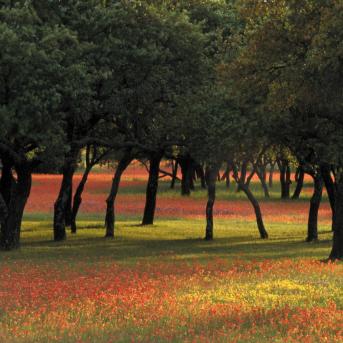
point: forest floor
(164, 283)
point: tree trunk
(6, 180)
(330, 188)
(63, 201)
(185, 164)
(271, 174)
(337, 245)
(285, 178)
(110, 201)
(259, 220)
(242, 176)
(152, 187)
(262, 178)
(174, 174)
(201, 175)
(78, 198)
(300, 174)
(312, 227)
(20, 191)
(3, 210)
(211, 176)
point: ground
(165, 283)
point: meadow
(164, 283)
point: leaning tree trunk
(201, 175)
(211, 176)
(242, 177)
(259, 220)
(330, 188)
(174, 174)
(262, 178)
(312, 227)
(20, 191)
(151, 190)
(110, 201)
(78, 198)
(63, 200)
(337, 246)
(300, 174)
(271, 174)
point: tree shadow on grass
(131, 249)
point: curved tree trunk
(259, 220)
(20, 191)
(262, 179)
(78, 198)
(151, 190)
(174, 174)
(63, 200)
(110, 201)
(300, 174)
(330, 188)
(201, 175)
(211, 177)
(337, 245)
(271, 174)
(312, 227)
(243, 175)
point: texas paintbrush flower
(240, 301)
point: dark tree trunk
(3, 210)
(63, 201)
(226, 176)
(20, 191)
(337, 246)
(330, 188)
(185, 164)
(259, 220)
(271, 174)
(152, 187)
(201, 175)
(110, 201)
(249, 178)
(285, 178)
(243, 176)
(174, 174)
(312, 228)
(300, 174)
(6, 180)
(78, 198)
(261, 175)
(211, 176)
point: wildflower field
(164, 283)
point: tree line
(240, 85)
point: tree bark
(211, 177)
(20, 191)
(312, 227)
(63, 200)
(330, 188)
(271, 174)
(185, 164)
(285, 178)
(78, 198)
(262, 178)
(174, 174)
(259, 220)
(243, 175)
(151, 190)
(201, 175)
(337, 245)
(300, 174)
(110, 201)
